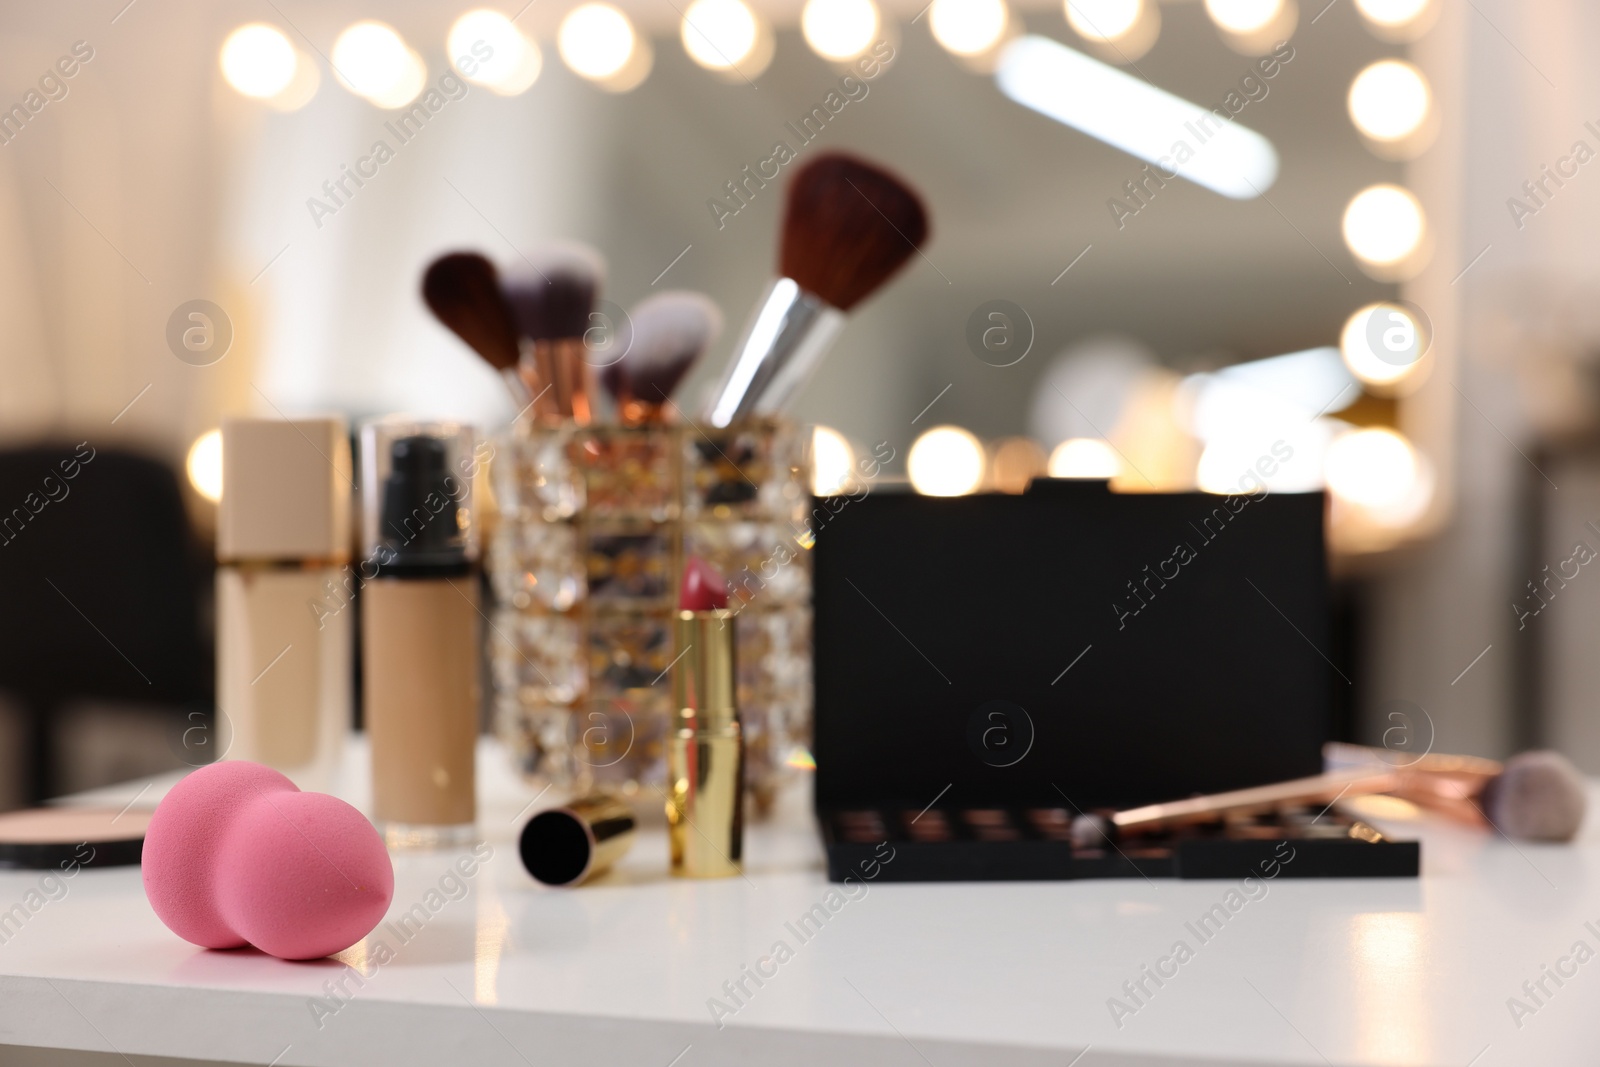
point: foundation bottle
(420, 630)
(283, 631)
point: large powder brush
(552, 298)
(462, 289)
(848, 226)
(668, 331)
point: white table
(998, 974)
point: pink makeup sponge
(237, 855)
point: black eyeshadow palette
(1035, 844)
(1005, 662)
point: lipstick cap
(575, 842)
(285, 490)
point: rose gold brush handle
(1450, 785)
(1319, 787)
(539, 389)
(561, 365)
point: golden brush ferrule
(705, 752)
(562, 367)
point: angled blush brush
(670, 330)
(848, 226)
(462, 289)
(551, 298)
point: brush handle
(786, 338)
(561, 362)
(516, 388)
(1322, 787)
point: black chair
(101, 581)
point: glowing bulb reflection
(946, 461)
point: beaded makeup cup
(595, 523)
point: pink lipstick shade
(704, 588)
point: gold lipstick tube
(705, 753)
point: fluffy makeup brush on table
(848, 226)
(552, 296)
(669, 332)
(1535, 796)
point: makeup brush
(551, 302)
(1535, 796)
(847, 227)
(669, 331)
(462, 289)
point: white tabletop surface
(1388, 971)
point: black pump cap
(421, 526)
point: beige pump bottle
(419, 631)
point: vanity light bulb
(596, 41)
(258, 60)
(968, 27)
(1104, 20)
(204, 465)
(946, 461)
(499, 57)
(719, 34)
(1244, 17)
(840, 30)
(374, 62)
(1383, 225)
(1389, 100)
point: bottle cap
(285, 490)
(416, 488)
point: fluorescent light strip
(1133, 115)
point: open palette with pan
(987, 667)
(1035, 843)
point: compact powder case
(57, 838)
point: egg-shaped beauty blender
(237, 855)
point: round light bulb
(1085, 457)
(832, 461)
(500, 58)
(968, 27)
(1389, 100)
(1103, 20)
(1383, 225)
(373, 61)
(840, 29)
(1244, 17)
(719, 34)
(258, 60)
(1016, 462)
(1383, 344)
(1391, 13)
(946, 461)
(204, 465)
(1378, 471)
(596, 41)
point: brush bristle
(1540, 796)
(847, 228)
(669, 332)
(462, 289)
(553, 292)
